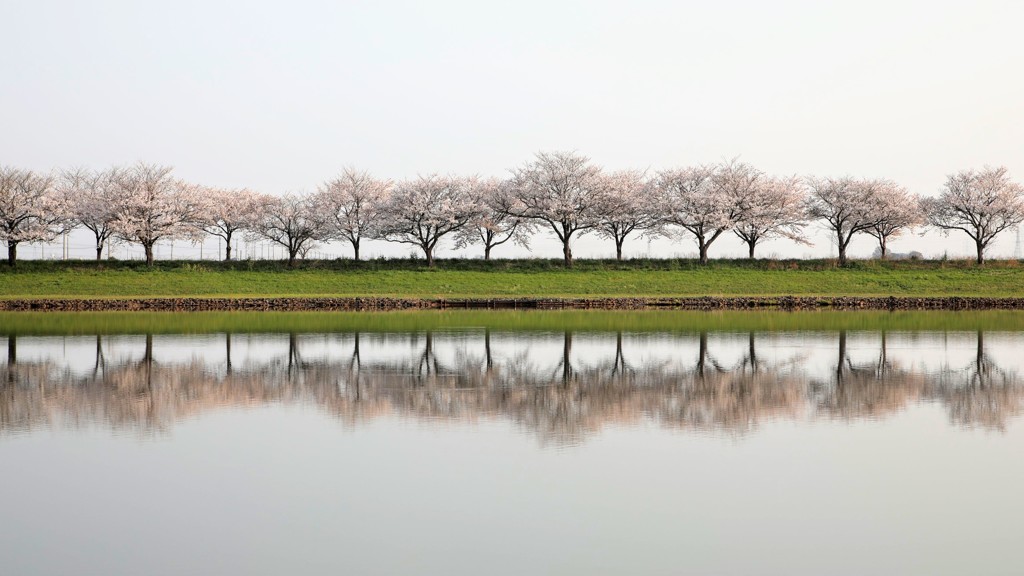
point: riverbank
(508, 280)
(551, 321)
(359, 304)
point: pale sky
(280, 96)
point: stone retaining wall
(383, 304)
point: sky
(280, 96)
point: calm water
(473, 451)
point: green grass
(516, 278)
(87, 323)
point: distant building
(915, 255)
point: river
(588, 443)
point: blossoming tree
(294, 222)
(773, 207)
(894, 210)
(353, 204)
(625, 206)
(151, 205)
(689, 199)
(424, 210)
(845, 204)
(229, 211)
(496, 221)
(980, 203)
(562, 190)
(31, 210)
(91, 199)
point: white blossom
(979, 203)
(893, 211)
(31, 209)
(423, 210)
(226, 212)
(846, 206)
(294, 222)
(773, 207)
(688, 198)
(91, 197)
(496, 221)
(151, 205)
(353, 204)
(625, 206)
(560, 189)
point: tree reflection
(466, 377)
(981, 393)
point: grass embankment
(511, 279)
(665, 321)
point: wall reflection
(561, 387)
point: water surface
(685, 443)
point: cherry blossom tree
(894, 210)
(424, 210)
(772, 207)
(151, 205)
(30, 209)
(227, 212)
(979, 203)
(560, 189)
(294, 222)
(91, 197)
(845, 204)
(496, 220)
(624, 207)
(689, 199)
(353, 203)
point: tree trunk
(620, 359)
(227, 248)
(355, 249)
(751, 244)
(292, 253)
(567, 374)
(99, 355)
(883, 248)
(293, 351)
(702, 353)
(227, 351)
(567, 253)
(981, 251)
(703, 251)
(488, 357)
(979, 361)
(618, 248)
(752, 352)
(147, 361)
(487, 251)
(842, 357)
(148, 246)
(429, 253)
(99, 251)
(842, 253)
(12, 358)
(883, 359)
(12, 252)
